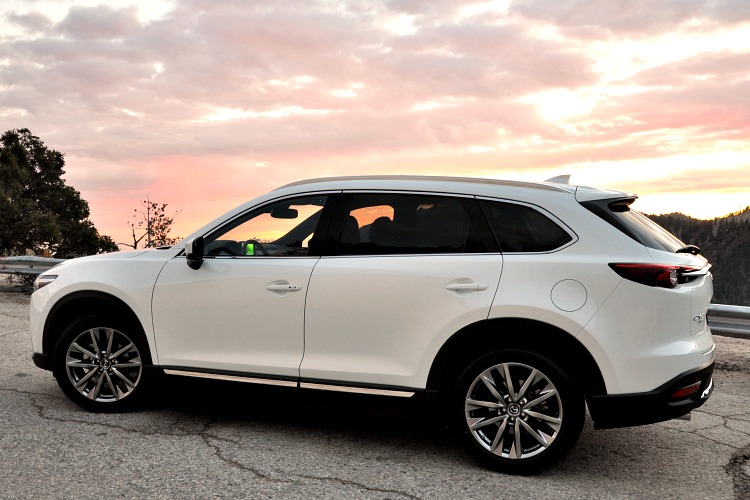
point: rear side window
(393, 224)
(635, 224)
(519, 228)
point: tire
(523, 427)
(100, 364)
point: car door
(243, 309)
(409, 271)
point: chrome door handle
(464, 287)
(287, 287)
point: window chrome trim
(392, 255)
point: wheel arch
(478, 339)
(76, 304)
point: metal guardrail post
(27, 265)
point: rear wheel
(517, 411)
(99, 364)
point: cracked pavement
(205, 439)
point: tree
(155, 224)
(725, 242)
(37, 209)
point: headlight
(43, 280)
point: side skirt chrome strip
(356, 390)
(233, 378)
(290, 383)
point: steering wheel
(220, 251)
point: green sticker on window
(250, 249)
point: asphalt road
(213, 440)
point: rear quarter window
(523, 229)
(635, 224)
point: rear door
(407, 272)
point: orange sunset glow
(204, 105)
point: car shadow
(401, 428)
(415, 420)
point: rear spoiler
(585, 193)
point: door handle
(285, 287)
(467, 287)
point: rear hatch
(676, 264)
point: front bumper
(626, 410)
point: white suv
(515, 304)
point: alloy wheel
(103, 365)
(513, 410)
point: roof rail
(532, 185)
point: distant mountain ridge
(725, 242)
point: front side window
(519, 228)
(283, 228)
(387, 223)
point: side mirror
(194, 252)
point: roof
(405, 179)
(541, 193)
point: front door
(243, 309)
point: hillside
(725, 242)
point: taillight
(661, 275)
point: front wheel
(99, 364)
(517, 411)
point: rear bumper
(626, 410)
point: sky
(205, 104)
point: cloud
(100, 22)
(137, 97)
(630, 17)
(33, 22)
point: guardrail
(729, 321)
(725, 320)
(27, 265)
